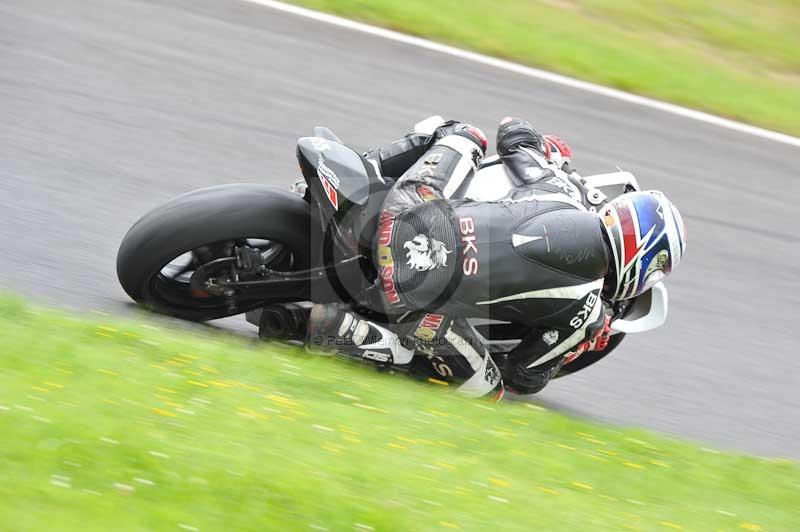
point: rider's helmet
(647, 239)
(557, 150)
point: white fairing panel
(492, 183)
(489, 184)
(429, 125)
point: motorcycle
(236, 248)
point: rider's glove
(599, 336)
(602, 336)
(513, 132)
(452, 127)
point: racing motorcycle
(237, 248)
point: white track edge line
(531, 72)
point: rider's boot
(333, 327)
(514, 132)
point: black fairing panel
(343, 169)
(340, 179)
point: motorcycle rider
(548, 256)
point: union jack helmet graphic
(647, 238)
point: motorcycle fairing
(339, 179)
(337, 175)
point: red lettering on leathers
(385, 259)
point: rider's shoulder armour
(567, 240)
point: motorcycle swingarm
(272, 285)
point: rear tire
(210, 219)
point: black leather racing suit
(536, 257)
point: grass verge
(109, 425)
(736, 58)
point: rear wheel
(164, 248)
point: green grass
(736, 58)
(108, 425)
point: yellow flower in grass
(370, 407)
(348, 396)
(633, 465)
(750, 526)
(331, 447)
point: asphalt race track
(109, 107)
